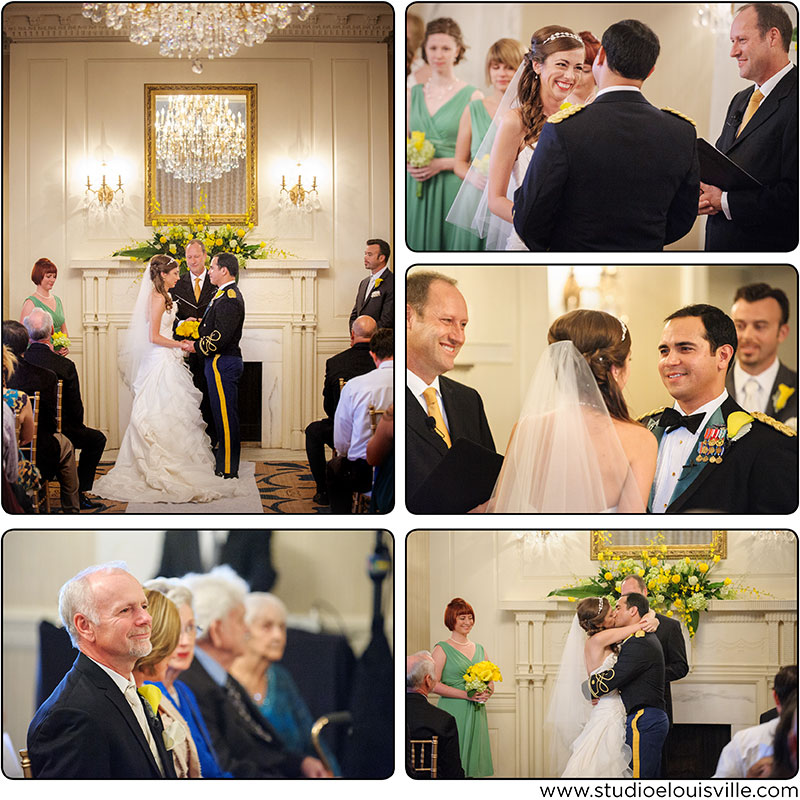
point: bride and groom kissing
(575, 447)
(166, 455)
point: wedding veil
(565, 455)
(470, 209)
(136, 339)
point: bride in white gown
(588, 740)
(165, 454)
(549, 72)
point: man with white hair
(95, 724)
(424, 720)
(246, 744)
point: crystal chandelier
(216, 30)
(717, 17)
(198, 139)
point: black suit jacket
(638, 674)
(350, 363)
(183, 294)
(86, 729)
(379, 305)
(221, 328)
(240, 751)
(764, 218)
(424, 720)
(674, 648)
(41, 355)
(785, 376)
(30, 379)
(642, 161)
(758, 473)
(425, 448)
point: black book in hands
(718, 170)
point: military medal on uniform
(712, 444)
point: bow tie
(672, 420)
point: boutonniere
(781, 397)
(639, 634)
(174, 734)
(739, 424)
(380, 281)
(153, 696)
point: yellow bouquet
(478, 676)
(188, 328)
(60, 340)
(419, 153)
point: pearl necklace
(460, 644)
(442, 93)
(44, 296)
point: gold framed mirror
(679, 544)
(200, 152)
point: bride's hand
(648, 624)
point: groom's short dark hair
(631, 49)
(230, 262)
(718, 325)
(637, 601)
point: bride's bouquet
(188, 328)
(478, 676)
(419, 153)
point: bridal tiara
(599, 604)
(624, 330)
(562, 35)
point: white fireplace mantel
(280, 332)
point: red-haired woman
(452, 658)
(44, 276)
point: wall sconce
(105, 195)
(298, 197)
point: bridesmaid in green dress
(502, 60)
(44, 275)
(435, 108)
(452, 658)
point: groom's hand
(187, 346)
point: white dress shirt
(765, 381)
(372, 278)
(351, 425)
(745, 748)
(418, 387)
(674, 451)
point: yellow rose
(240, 232)
(418, 139)
(173, 249)
(608, 576)
(727, 581)
(653, 562)
(218, 241)
(669, 613)
(162, 239)
(640, 572)
(676, 578)
(702, 567)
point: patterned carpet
(286, 487)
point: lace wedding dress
(600, 750)
(165, 455)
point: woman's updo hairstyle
(604, 342)
(159, 266)
(450, 27)
(544, 42)
(592, 612)
(591, 44)
(455, 607)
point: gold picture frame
(679, 544)
(236, 206)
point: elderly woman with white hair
(176, 690)
(269, 684)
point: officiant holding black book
(193, 293)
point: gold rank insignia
(654, 413)
(231, 293)
(564, 113)
(679, 114)
(774, 423)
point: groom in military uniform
(219, 334)
(713, 456)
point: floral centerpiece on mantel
(172, 240)
(681, 588)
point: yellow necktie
(755, 100)
(197, 290)
(433, 409)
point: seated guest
(179, 693)
(753, 744)
(16, 406)
(94, 724)
(245, 742)
(55, 455)
(270, 685)
(380, 454)
(44, 276)
(89, 441)
(356, 360)
(349, 472)
(784, 751)
(164, 636)
(17, 400)
(424, 720)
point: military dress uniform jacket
(638, 674)
(380, 303)
(221, 327)
(764, 218)
(784, 398)
(619, 174)
(757, 473)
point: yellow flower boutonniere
(378, 282)
(739, 423)
(781, 397)
(565, 105)
(152, 694)
(639, 634)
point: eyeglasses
(192, 630)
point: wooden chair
(39, 499)
(25, 763)
(53, 486)
(336, 718)
(419, 749)
(361, 499)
